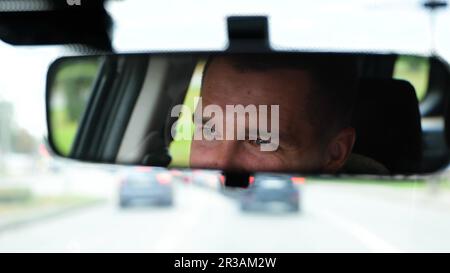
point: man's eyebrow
(283, 136)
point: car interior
(99, 104)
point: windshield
(385, 190)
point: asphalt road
(334, 217)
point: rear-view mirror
(379, 114)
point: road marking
(192, 207)
(373, 242)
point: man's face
(299, 148)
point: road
(336, 218)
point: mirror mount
(248, 33)
(236, 179)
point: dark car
(152, 187)
(271, 192)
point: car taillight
(186, 179)
(143, 169)
(176, 173)
(43, 151)
(298, 180)
(251, 179)
(222, 179)
(211, 180)
(163, 178)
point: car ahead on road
(271, 192)
(150, 187)
(206, 178)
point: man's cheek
(205, 154)
(197, 150)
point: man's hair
(334, 79)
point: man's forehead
(223, 84)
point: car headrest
(387, 121)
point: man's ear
(339, 149)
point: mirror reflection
(319, 113)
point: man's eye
(209, 129)
(210, 132)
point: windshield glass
(376, 181)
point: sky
(376, 25)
